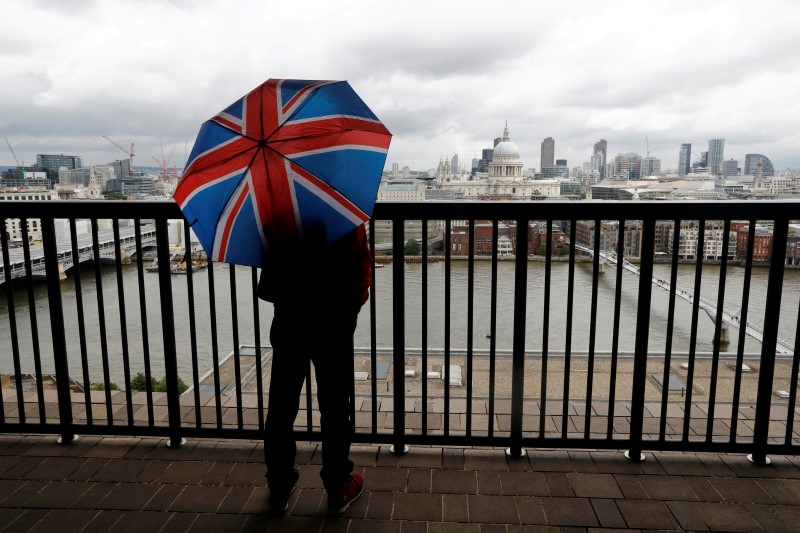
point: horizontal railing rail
(515, 351)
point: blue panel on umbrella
(289, 88)
(334, 99)
(235, 109)
(351, 172)
(245, 246)
(316, 212)
(205, 207)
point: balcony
(512, 366)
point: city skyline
(443, 82)
(685, 157)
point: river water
(247, 329)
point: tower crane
(163, 164)
(19, 167)
(130, 154)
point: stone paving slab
(138, 484)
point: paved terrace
(138, 484)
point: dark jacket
(320, 280)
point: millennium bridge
(729, 317)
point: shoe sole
(340, 511)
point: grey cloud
(430, 55)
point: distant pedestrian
(317, 292)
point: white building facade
(504, 181)
(34, 226)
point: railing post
(398, 339)
(642, 334)
(58, 331)
(518, 357)
(769, 342)
(168, 330)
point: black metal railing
(573, 358)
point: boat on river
(178, 261)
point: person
(317, 292)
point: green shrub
(139, 383)
(101, 386)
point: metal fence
(71, 348)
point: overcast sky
(443, 76)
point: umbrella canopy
(289, 157)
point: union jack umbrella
(290, 155)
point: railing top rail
(435, 210)
(590, 210)
(156, 209)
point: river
(383, 299)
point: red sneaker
(340, 500)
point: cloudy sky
(443, 76)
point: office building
(486, 158)
(599, 157)
(716, 152)
(50, 164)
(650, 166)
(730, 168)
(701, 165)
(751, 165)
(548, 153)
(552, 172)
(685, 159)
(628, 166)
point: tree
(542, 249)
(116, 196)
(412, 247)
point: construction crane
(130, 154)
(163, 164)
(19, 167)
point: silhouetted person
(317, 292)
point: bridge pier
(724, 338)
(62, 274)
(124, 256)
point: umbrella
(291, 156)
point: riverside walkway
(124, 484)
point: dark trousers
(298, 338)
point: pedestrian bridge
(729, 318)
(83, 248)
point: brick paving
(138, 484)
